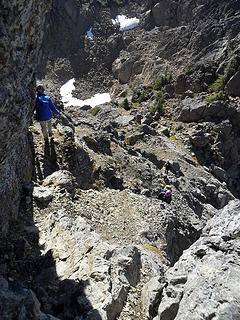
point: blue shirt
(44, 107)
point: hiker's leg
(43, 125)
(49, 125)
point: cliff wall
(20, 39)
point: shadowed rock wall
(20, 39)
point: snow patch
(69, 100)
(90, 34)
(126, 23)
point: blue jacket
(44, 107)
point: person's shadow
(50, 164)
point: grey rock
(188, 94)
(164, 13)
(199, 139)
(86, 108)
(42, 194)
(219, 173)
(191, 110)
(132, 139)
(130, 263)
(217, 109)
(211, 261)
(195, 109)
(138, 118)
(224, 128)
(164, 130)
(151, 296)
(145, 192)
(147, 119)
(19, 54)
(181, 84)
(122, 121)
(232, 87)
(61, 178)
(174, 166)
(22, 305)
(122, 70)
(148, 130)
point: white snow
(126, 23)
(69, 100)
(90, 34)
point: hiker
(45, 109)
(166, 194)
(167, 167)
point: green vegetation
(217, 86)
(144, 96)
(125, 104)
(216, 96)
(165, 79)
(95, 110)
(159, 105)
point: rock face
(65, 44)
(170, 27)
(21, 25)
(204, 282)
(232, 87)
(165, 13)
(196, 109)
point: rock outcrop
(204, 282)
(173, 29)
(21, 33)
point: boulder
(148, 130)
(164, 130)
(122, 70)
(147, 119)
(133, 138)
(21, 304)
(188, 94)
(191, 110)
(42, 194)
(224, 128)
(199, 139)
(174, 167)
(86, 107)
(61, 178)
(196, 109)
(219, 173)
(123, 121)
(217, 109)
(233, 86)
